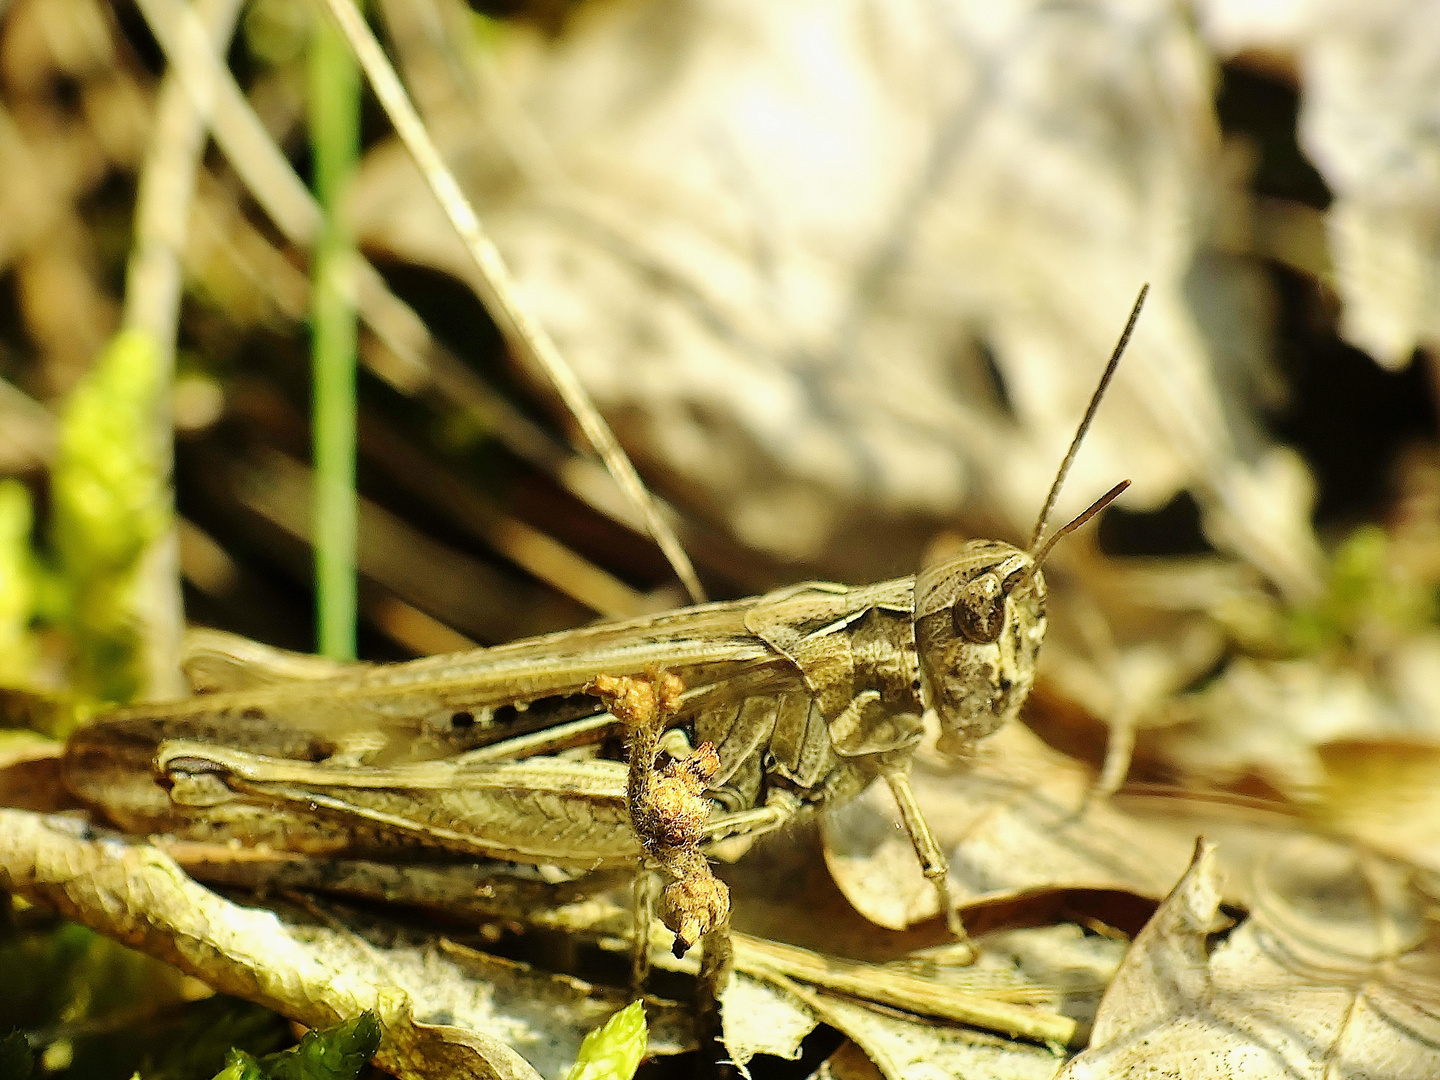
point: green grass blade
(334, 139)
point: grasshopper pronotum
(807, 695)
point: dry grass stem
(926, 997)
(153, 287)
(525, 335)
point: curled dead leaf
(1332, 975)
(446, 1010)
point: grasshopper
(801, 697)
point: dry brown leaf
(1333, 975)
(1018, 822)
(776, 242)
(903, 1049)
(772, 1016)
(30, 773)
(1044, 979)
(446, 1010)
(848, 1063)
(1127, 649)
(1270, 718)
(1386, 794)
(1120, 648)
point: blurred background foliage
(841, 277)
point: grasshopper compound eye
(978, 610)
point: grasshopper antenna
(1094, 508)
(1106, 499)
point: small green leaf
(240, 1066)
(336, 1053)
(614, 1050)
(17, 1062)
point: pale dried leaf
(761, 1018)
(901, 1047)
(1370, 80)
(1386, 794)
(1270, 718)
(446, 1010)
(1412, 680)
(1332, 976)
(905, 1050)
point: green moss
(336, 1053)
(111, 503)
(1365, 594)
(17, 585)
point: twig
(524, 334)
(152, 303)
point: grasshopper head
(979, 623)
(980, 614)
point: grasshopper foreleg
(927, 849)
(668, 808)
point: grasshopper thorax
(979, 624)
